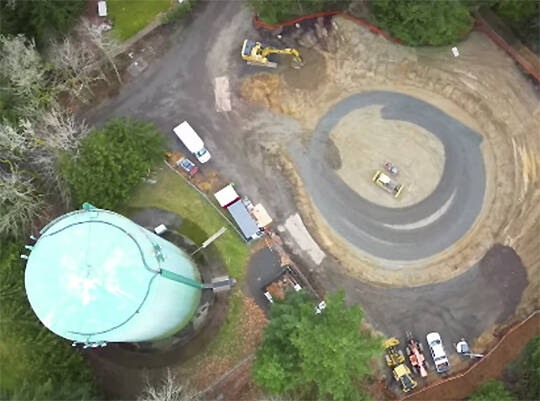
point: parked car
(437, 352)
(192, 141)
(388, 166)
(188, 166)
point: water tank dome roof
(91, 272)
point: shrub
(424, 22)
(491, 390)
(178, 11)
(278, 11)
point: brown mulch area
(491, 366)
(249, 335)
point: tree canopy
(38, 19)
(36, 364)
(112, 161)
(316, 355)
(277, 11)
(522, 375)
(491, 390)
(423, 22)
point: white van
(192, 141)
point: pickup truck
(437, 352)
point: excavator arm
(256, 53)
(293, 52)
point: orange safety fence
(513, 53)
(372, 28)
(479, 364)
(478, 24)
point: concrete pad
(222, 94)
(296, 228)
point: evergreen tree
(423, 22)
(39, 19)
(491, 390)
(112, 161)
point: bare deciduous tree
(77, 66)
(19, 202)
(13, 141)
(60, 130)
(108, 45)
(167, 390)
(22, 66)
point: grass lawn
(201, 220)
(130, 16)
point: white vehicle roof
(226, 196)
(189, 137)
(435, 343)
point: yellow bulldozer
(255, 53)
(396, 361)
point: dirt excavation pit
(312, 73)
(365, 141)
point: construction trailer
(229, 199)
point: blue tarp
(243, 219)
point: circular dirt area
(424, 227)
(365, 140)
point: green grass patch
(130, 16)
(201, 220)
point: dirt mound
(266, 90)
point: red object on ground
(372, 28)
(416, 356)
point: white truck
(437, 352)
(192, 141)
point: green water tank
(94, 276)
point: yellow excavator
(255, 53)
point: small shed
(102, 8)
